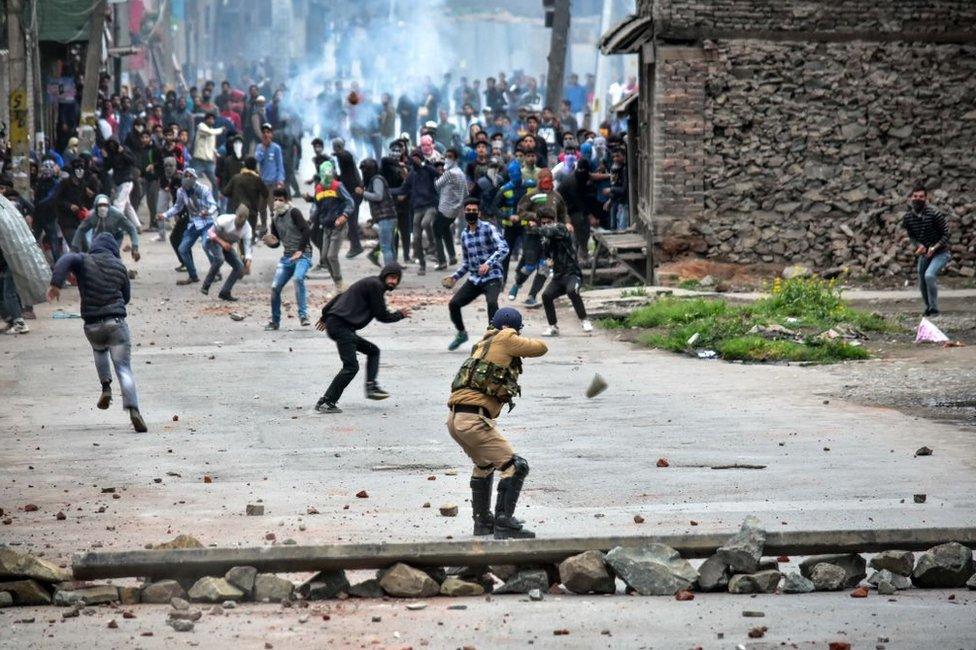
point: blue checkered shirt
(483, 246)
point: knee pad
(519, 464)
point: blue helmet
(515, 173)
(507, 317)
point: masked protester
(419, 188)
(452, 189)
(532, 260)
(349, 312)
(232, 163)
(567, 277)
(382, 211)
(248, 190)
(482, 251)
(486, 381)
(290, 230)
(106, 218)
(330, 221)
(194, 198)
(103, 283)
(928, 230)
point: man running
(488, 379)
(343, 316)
(482, 251)
(103, 283)
(290, 231)
(199, 203)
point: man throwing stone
(929, 231)
(343, 316)
(103, 283)
(482, 250)
(488, 379)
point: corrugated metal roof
(626, 36)
(64, 21)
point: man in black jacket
(350, 178)
(103, 283)
(348, 312)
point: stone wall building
(791, 131)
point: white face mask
(79, 173)
(102, 211)
(238, 149)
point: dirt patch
(737, 276)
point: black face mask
(471, 217)
(918, 204)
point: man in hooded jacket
(103, 284)
(349, 312)
(106, 218)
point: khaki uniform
(476, 433)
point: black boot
(106, 397)
(484, 523)
(506, 525)
(373, 391)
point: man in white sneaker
(567, 278)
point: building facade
(793, 131)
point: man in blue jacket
(103, 283)
(271, 167)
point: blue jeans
(928, 273)
(209, 169)
(385, 229)
(621, 217)
(110, 342)
(11, 301)
(287, 270)
(190, 237)
(217, 257)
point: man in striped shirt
(482, 250)
(929, 232)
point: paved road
(229, 401)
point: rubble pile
(810, 150)
(647, 569)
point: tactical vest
(499, 382)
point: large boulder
(454, 586)
(162, 592)
(763, 582)
(242, 577)
(896, 581)
(744, 551)
(525, 581)
(27, 592)
(946, 565)
(828, 577)
(407, 582)
(898, 562)
(24, 565)
(587, 573)
(713, 574)
(325, 585)
(794, 583)
(88, 595)
(852, 564)
(268, 586)
(213, 590)
(652, 569)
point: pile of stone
(647, 569)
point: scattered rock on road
(254, 509)
(587, 573)
(713, 574)
(366, 589)
(762, 582)
(744, 551)
(525, 581)
(25, 565)
(92, 595)
(652, 569)
(407, 582)
(162, 592)
(852, 564)
(946, 565)
(794, 583)
(898, 562)
(214, 590)
(454, 586)
(897, 581)
(242, 577)
(828, 577)
(449, 510)
(325, 585)
(268, 586)
(27, 592)
(180, 625)
(179, 542)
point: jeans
(559, 286)
(404, 228)
(467, 294)
(348, 343)
(11, 301)
(928, 273)
(217, 257)
(423, 222)
(541, 271)
(290, 269)
(621, 216)
(385, 230)
(190, 237)
(353, 223)
(163, 202)
(329, 253)
(52, 234)
(209, 169)
(443, 239)
(109, 339)
(123, 203)
(513, 237)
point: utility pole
(93, 63)
(20, 101)
(557, 51)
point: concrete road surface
(229, 408)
